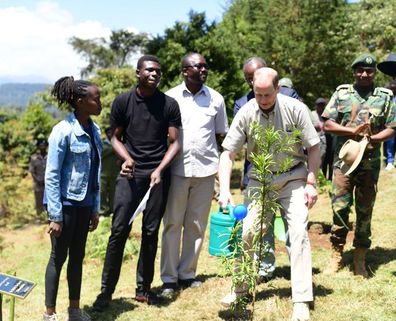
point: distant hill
(19, 94)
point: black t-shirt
(145, 121)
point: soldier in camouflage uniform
(37, 168)
(110, 169)
(357, 110)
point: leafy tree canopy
(102, 53)
(112, 82)
(19, 134)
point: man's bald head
(250, 66)
(265, 87)
(265, 75)
(255, 61)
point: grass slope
(340, 297)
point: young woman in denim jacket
(72, 190)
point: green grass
(340, 297)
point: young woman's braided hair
(67, 90)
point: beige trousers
(185, 221)
(295, 211)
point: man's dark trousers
(128, 194)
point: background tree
(308, 41)
(37, 122)
(19, 134)
(94, 51)
(375, 25)
(124, 44)
(197, 35)
(115, 52)
(112, 82)
(176, 42)
(311, 41)
(375, 29)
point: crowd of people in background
(166, 145)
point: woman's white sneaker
(389, 167)
(50, 317)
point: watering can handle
(227, 210)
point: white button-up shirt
(203, 116)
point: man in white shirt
(193, 174)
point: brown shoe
(145, 295)
(336, 260)
(359, 262)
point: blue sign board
(14, 286)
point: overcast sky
(34, 34)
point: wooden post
(12, 309)
(1, 304)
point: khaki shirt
(203, 116)
(289, 113)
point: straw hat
(351, 154)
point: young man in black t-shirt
(145, 125)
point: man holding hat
(363, 113)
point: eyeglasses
(198, 66)
(249, 80)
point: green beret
(364, 60)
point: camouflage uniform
(108, 176)
(37, 169)
(347, 108)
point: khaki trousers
(295, 212)
(185, 221)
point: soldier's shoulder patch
(383, 91)
(344, 87)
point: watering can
(222, 223)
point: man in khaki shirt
(296, 187)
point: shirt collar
(203, 91)
(272, 112)
(139, 98)
(76, 126)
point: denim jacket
(68, 165)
